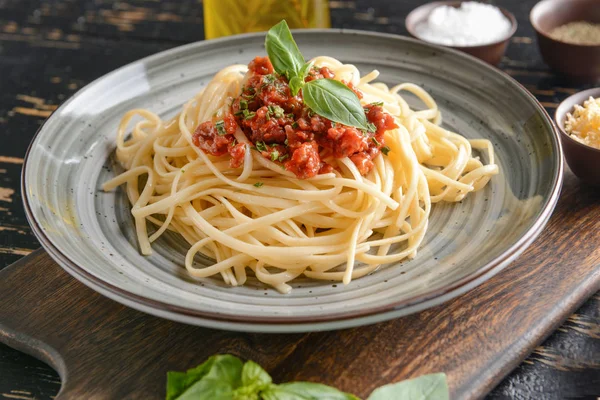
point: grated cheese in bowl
(584, 124)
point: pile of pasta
(261, 220)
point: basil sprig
(226, 377)
(327, 97)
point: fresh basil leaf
(208, 389)
(426, 387)
(178, 382)
(283, 51)
(214, 379)
(252, 374)
(305, 70)
(227, 368)
(251, 392)
(296, 83)
(335, 101)
(305, 391)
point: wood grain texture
(104, 350)
(51, 48)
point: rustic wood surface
(51, 48)
(107, 351)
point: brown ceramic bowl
(578, 63)
(583, 160)
(491, 53)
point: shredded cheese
(584, 124)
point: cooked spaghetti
(253, 179)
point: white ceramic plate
(91, 235)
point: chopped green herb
(243, 104)
(258, 184)
(295, 126)
(375, 141)
(371, 127)
(234, 142)
(268, 116)
(248, 114)
(182, 171)
(385, 150)
(270, 78)
(284, 157)
(266, 81)
(238, 113)
(220, 125)
(274, 155)
(286, 141)
(261, 146)
(251, 92)
(276, 111)
(290, 115)
(377, 103)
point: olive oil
(231, 17)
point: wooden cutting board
(104, 350)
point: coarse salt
(471, 24)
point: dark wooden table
(49, 49)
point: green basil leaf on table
(178, 382)
(208, 389)
(214, 379)
(225, 377)
(254, 374)
(283, 51)
(426, 387)
(305, 391)
(335, 101)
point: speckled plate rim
(316, 322)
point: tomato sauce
(287, 132)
